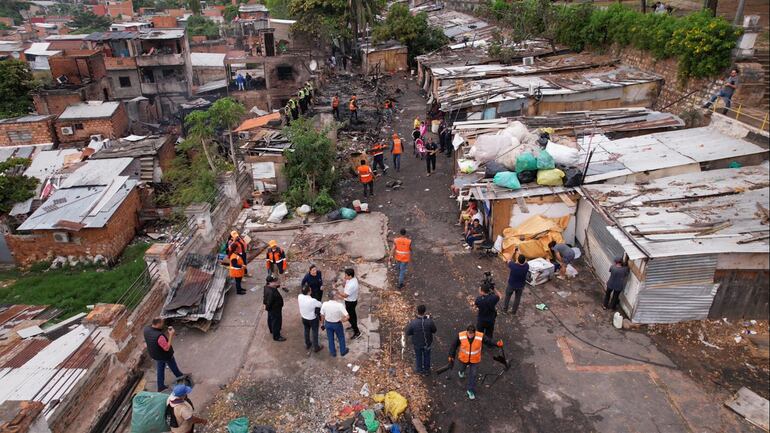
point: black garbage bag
(492, 168)
(527, 176)
(263, 429)
(573, 177)
(334, 215)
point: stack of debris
(198, 293)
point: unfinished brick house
(279, 78)
(78, 75)
(26, 130)
(94, 211)
(78, 123)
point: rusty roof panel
(29, 348)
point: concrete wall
(130, 92)
(108, 241)
(112, 127)
(15, 134)
(203, 75)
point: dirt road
(557, 383)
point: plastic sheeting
(533, 236)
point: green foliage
(226, 113)
(230, 12)
(702, 43)
(198, 25)
(85, 22)
(194, 6)
(279, 8)
(16, 83)
(191, 179)
(410, 30)
(11, 8)
(309, 167)
(71, 289)
(15, 187)
(322, 20)
(159, 5)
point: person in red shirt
(366, 177)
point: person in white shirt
(307, 309)
(350, 295)
(333, 314)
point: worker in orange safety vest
(396, 150)
(237, 271)
(353, 107)
(336, 107)
(236, 244)
(275, 258)
(402, 252)
(366, 176)
(378, 155)
(467, 347)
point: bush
(309, 167)
(700, 42)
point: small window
(77, 126)
(19, 136)
(149, 77)
(285, 73)
(125, 81)
(168, 73)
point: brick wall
(124, 9)
(164, 22)
(55, 102)
(113, 127)
(79, 66)
(167, 153)
(15, 134)
(108, 241)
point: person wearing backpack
(180, 412)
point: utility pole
(738, 21)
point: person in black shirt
(516, 280)
(273, 302)
(315, 281)
(421, 329)
(430, 156)
(486, 303)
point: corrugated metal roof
(667, 215)
(10, 46)
(40, 49)
(619, 158)
(211, 85)
(252, 8)
(97, 172)
(163, 34)
(26, 119)
(48, 162)
(12, 315)
(89, 207)
(24, 351)
(107, 36)
(90, 110)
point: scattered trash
(370, 420)
(738, 338)
(238, 425)
(702, 339)
(563, 294)
(303, 210)
(395, 403)
(571, 271)
(617, 320)
(541, 307)
(427, 189)
(356, 368)
(364, 390)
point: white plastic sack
(488, 146)
(563, 155)
(516, 130)
(457, 141)
(499, 243)
(571, 271)
(303, 210)
(507, 157)
(467, 165)
(278, 212)
(577, 252)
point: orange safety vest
(377, 149)
(237, 246)
(365, 174)
(403, 249)
(276, 256)
(335, 102)
(388, 104)
(397, 149)
(237, 271)
(470, 351)
(352, 106)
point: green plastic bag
(371, 422)
(545, 161)
(526, 161)
(148, 413)
(550, 177)
(347, 213)
(507, 179)
(238, 425)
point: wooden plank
(501, 216)
(565, 198)
(751, 406)
(522, 204)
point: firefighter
(336, 107)
(377, 151)
(237, 271)
(469, 344)
(353, 107)
(275, 258)
(366, 177)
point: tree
(225, 114)
(14, 186)
(410, 30)
(310, 167)
(198, 25)
(363, 13)
(199, 133)
(230, 12)
(16, 83)
(12, 8)
(278, 8)
(195, 6)
(85, 22)
(321, 20)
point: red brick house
(24, 130)
(79, 122)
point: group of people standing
(300, 104)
